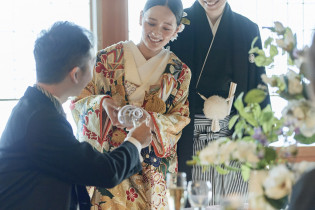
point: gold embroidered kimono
(168, 106)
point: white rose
(225, 152)
(279, 182)
(245, 152)
(209, 154)
(298, 113)
(308, 126)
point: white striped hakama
(222, 185)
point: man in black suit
(42, 165)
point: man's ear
(74, 73)
(141, 17)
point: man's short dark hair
(61, 48)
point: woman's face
(158, 27)
(213, 6)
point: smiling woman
(21, 21)
(146, 75)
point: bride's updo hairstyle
(175, 6)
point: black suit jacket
(43, 166)
(303, 193)
(228, 61)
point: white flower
(245, 152)
(225, 152)
(279, 182)
(308, 126)
(209, 154)
(295, 84)
(298, 113)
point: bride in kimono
(148, 76)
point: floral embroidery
(130, 88)
(91, 135)
(131, 194)
(118, 137)
(150, 157)
(159, 191)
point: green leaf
(185, 21)
(268, 61)
(105, 192)
(256, 110)
(305, 140)
(270, 154)
(273, 51)
(267, 108)
(245, 172)
(248, 138)
(255, 96)
(233, 121)
(221, 170)
(253, 50)
(231, 168)
(279, 203)
(261, 52)
(266, 117)
(260, 60)
(254, 41)
(238, 104)
(268, 42)
(191, 162)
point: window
(21, 21)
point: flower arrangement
(255, 127)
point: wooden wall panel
(112, 21)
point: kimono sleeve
(88, 112)
(168, 127)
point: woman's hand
(111, 108)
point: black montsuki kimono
(228, 61)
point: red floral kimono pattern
(147, 189)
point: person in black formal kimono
(215, 45)
(42, 165)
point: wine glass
(176, 190)
(199, 193)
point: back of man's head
(61, 48)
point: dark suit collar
(38, 97)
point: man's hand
(142, 133)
